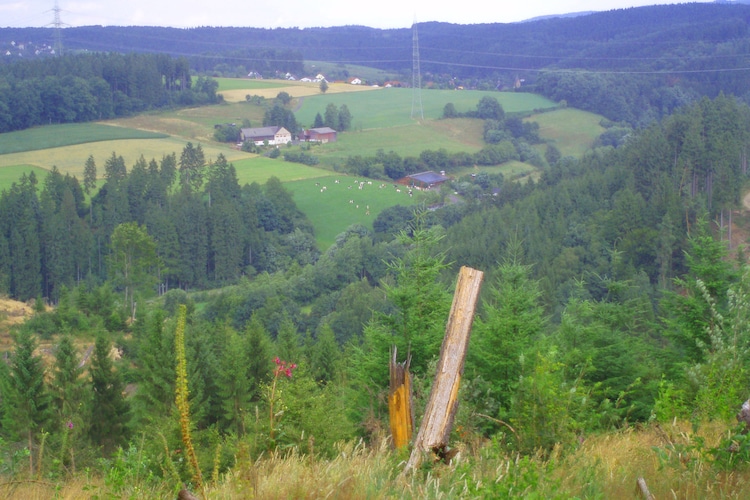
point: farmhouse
(424, 180)
(271, 135)
(321, 134)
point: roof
(428, 177)
(261, 131)
(322, 130)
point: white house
(274, 136)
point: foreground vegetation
(674, 461)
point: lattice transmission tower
(416, 77)
(58, 24)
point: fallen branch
(499, 422)
(643, 488)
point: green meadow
(247, 83)
(392, 107)
(71, 159)
(52, 136)
(333, 206)
(573, 131)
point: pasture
(333, 206)
(406, 140)
(71, 159)
(573, 131)
(259, 169)
(392, 107)
(52, 136)
(235, 90)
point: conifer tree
(26, 399)
(258, 345)
(235, 388)
(325, 355)
(109, 412)
(512, 319)
(155, 395)
(67, 385)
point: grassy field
(259, 169)
(53, 136)
(573, 131)
(235, 90)
(406, 140)
(333, 206)
(71, 159)
(382, 108)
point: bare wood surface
(400, 413)
(437, 422)
(643, 488)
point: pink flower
(70, 424)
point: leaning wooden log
(435, 429)
(400, 411)
(643, 488)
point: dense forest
(98, 86)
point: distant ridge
(569, 14)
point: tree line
(206, 227)
(97, 86)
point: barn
(320, 134)
(424, 180)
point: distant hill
(633, 39)
(633, 65)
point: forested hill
(632, 65)
(663, 37)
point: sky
(289, 13)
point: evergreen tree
(512, 320)
(318, 123)
(259, 349)
(67, 384)
(26, 399)
(330, 118)
(344, 121)
(69, 395)
(109, 411)
(325, 355)
(154, 398)
(235, 388)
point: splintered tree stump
(400, 411)
(435, 429)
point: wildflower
(70, 424)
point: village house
(273, 136)
(320, 134)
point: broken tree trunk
(437, 422)
(400, 411)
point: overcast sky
(290, 13)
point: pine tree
(155, 395)
(258, 345)
(67, 385)
(235, 388)
(26, 399)
(512, 319)
(325, 355)
(109, 412)
(69, 392)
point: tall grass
(607, 466)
